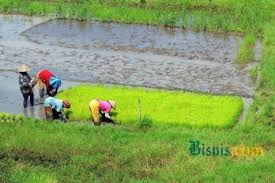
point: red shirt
(45, 76)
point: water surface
(138, 38)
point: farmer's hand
(108, 116)
(52, 93)
(33, 82)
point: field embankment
(263, 109)
(36, 151)
(217, 16)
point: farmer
(54, 108)
(46, 78)
(101, 107)
(25, 84)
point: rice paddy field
(159, 105)
(38, 151)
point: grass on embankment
(215, 15)
(246, 52)
(36, 151)
(263, 109)
(168, 107)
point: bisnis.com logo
(197, 148)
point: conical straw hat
(113, 103)
(24, 68)
(66, 103)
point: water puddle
(122, 54)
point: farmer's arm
(107, 115)
(34, 80)
(52, 92)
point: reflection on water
(30, 112)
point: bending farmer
(101, 107)
(46, 78)
(54, 108)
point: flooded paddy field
(135, 38)
(11, 99)
(121, 54)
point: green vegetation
(159, 105)
(35, 151)
(10, 118)
(254, 73)
(263, 108)
(211, 15)
(247, 53)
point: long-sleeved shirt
(24, 83)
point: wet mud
(120, 54)
(135, 38)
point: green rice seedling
(169, 20)
(53, 152)
(217, 16)
(254, 73)
(59, 8)
(144, 123)
(246, 52)
(142, 3)
(262, 110)
(5, 5)
(83, 13)
(11, 118)
(19, 118)
(33, 175)
(163, 107)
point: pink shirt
(104, 106)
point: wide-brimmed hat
(66, 104)
(24, 68)
(55, 82)
(112, 103)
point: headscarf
(55, 82)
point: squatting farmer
(46, 78)
(26, 87)
(104, 108)
(54, 108)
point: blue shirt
(54, 103)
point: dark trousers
(26, 96)
(59, 116)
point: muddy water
(11, 100)
(121, 54)
(137, 38)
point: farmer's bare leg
(41, 88)
(49, 113)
